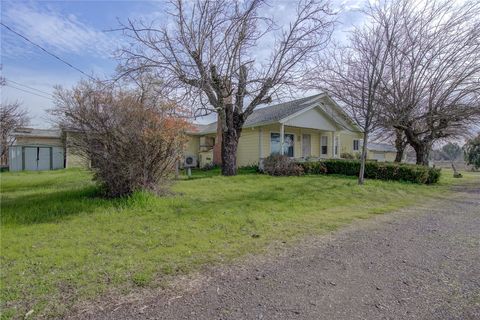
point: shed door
(306, 145)
(43, 159)
(37, 158)
(30, 158)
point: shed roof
(385, 147)
(38, 133)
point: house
(41, 149)
(314, 127)
(311, 127)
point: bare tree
(387, 133)
(12, 116)
(432, 86)
(133, 138)
(228, 57)
(353, 74)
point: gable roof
(273, 114)
(280, 111)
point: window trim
(278, 132)
(321, 146)
(358, 145)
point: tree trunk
(229, 151)
(400, 144)
(399, 155)
(361, 174)
(422, 151)
(217, 148)
(422, 147)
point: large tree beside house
(229, 57)
(431, 90)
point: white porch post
(333, 144)
(282, 138)
(338, 146)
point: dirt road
(418, 263)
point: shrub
(280, 165)
(472, 152)
(313, 167)
(132, 138)
(347, 155)
(375, 170)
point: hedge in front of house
(374, 170)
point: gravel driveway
(417, 263)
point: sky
(80, 32)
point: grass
(61, 244)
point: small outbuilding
(37, 149)
(381, 152)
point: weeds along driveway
(419, 263)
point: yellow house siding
(346, 141)
(248, 147)
(193, 145)
(73, 159)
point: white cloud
(54, 30)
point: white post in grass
(282, 138)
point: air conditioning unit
(190, 161)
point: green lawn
(60, 243)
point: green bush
(313, 167)
(347, 155)
(374, 170)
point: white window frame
(358, 145)
(322, 145)
(285, 133)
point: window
(324, 145)
(287, 146)
(356, 144)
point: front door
(306, 145)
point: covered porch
(298, 143)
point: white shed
(37, 149)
